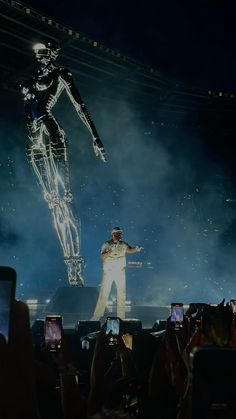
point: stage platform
(78, 303)
(147, 314)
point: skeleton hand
(68, 197)
(99, 149)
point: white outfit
(113, 271)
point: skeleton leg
(52, 173)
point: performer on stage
(47, 148)
(114, 262)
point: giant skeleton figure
(47, 149)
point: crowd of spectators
(161, 372)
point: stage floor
(147, 314)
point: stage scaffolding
(97, 65)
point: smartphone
(177, 315)
(113, 329)
(233, 306)
(53, 333)
(7, 297)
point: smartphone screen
(7, 296)
(177, 315)
(53, 333)
(112, 329)
(233, 306)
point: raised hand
(139, 248)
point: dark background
(192, 41)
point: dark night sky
(193, 41)
(166, 186)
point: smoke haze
(160, 185)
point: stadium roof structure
(97, 65)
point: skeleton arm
(82, 111)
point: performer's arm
(105, 251)
(104, 256)
(135, 249)
(82, 111)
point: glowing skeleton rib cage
(47, 150)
